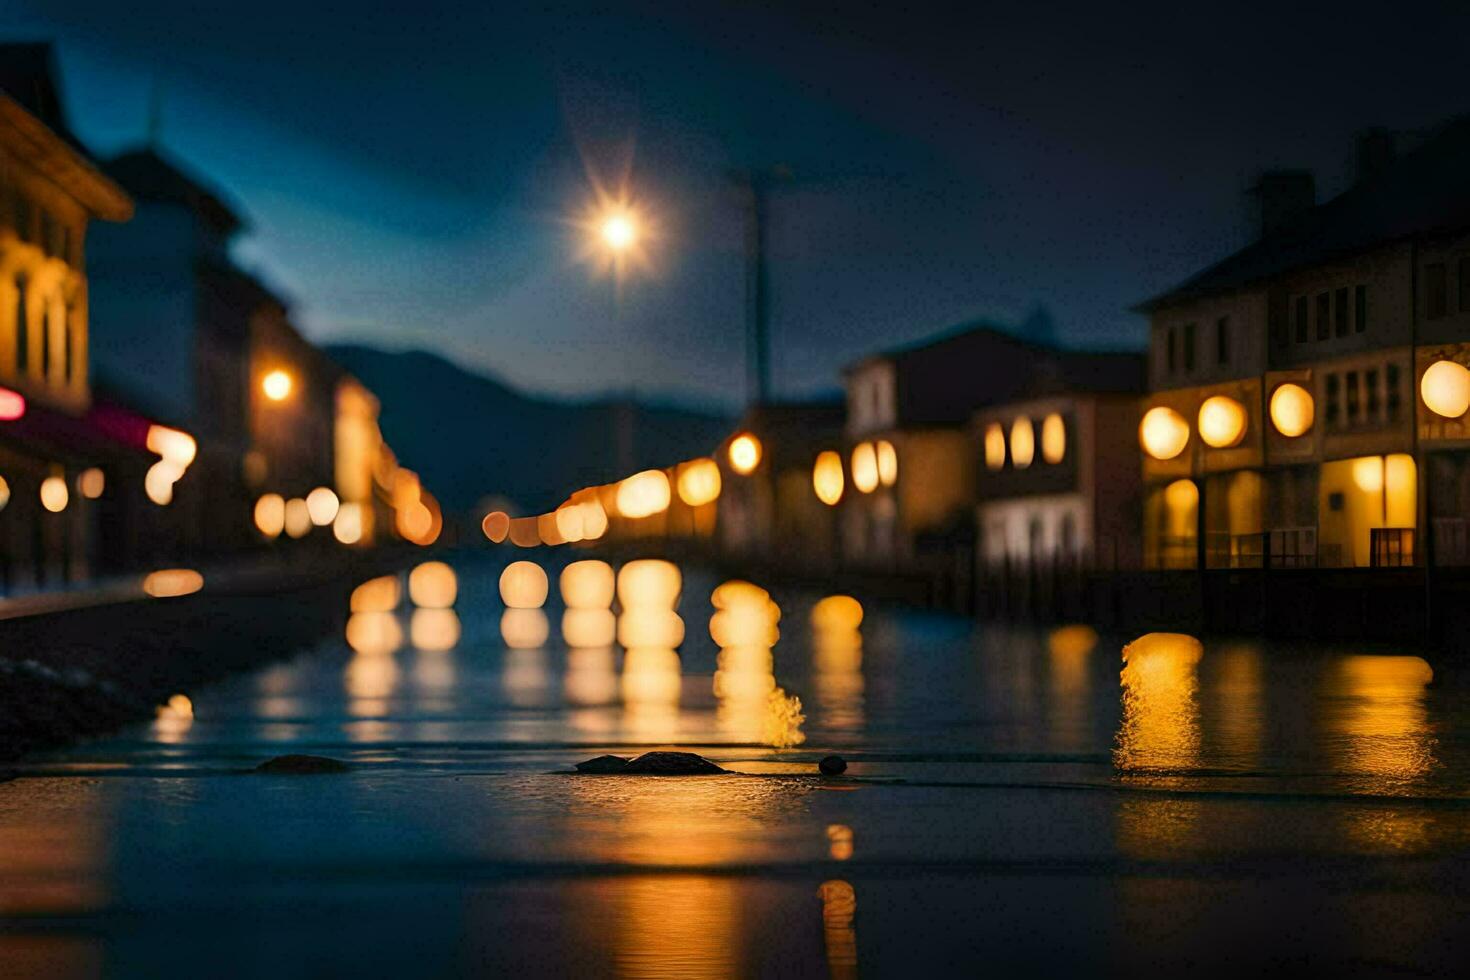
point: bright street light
(619, 231)
(276, 385)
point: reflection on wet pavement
(1016, 795)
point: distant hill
(470, 436)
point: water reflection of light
(1377, 722)
(651, 687)
(433, 585)
(837, 656)
(433, 672)
(751, 706)
(434, 630)
(1235, 723)
(1160, 727)
(174, 719)
(839, 906)
(370, 679)
(588, 585)
(589, 627)
(524, 629)
(525, 676)
(374, 633)
(1069, 653)
(839, 841)
(649, 629)
(591, 679)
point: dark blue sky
(408, 169)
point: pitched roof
(147, 175)
(28, 75)
(1425, 192)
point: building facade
(52, 451)
(1287, 422)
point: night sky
(409, 169)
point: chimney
(1374, 151)
(1281, 197)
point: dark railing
(1391, 547)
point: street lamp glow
(745, 453)
(619, 231)
(277, 385)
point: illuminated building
(1073, 506)
(1324, 425)
(919, 407)
(767, 505)
(50, 433)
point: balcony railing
(1391, 547)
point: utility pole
(755, 186)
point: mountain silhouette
(470, 436)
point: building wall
(1185, 347)
(872, 403)
(1301, 336)
(936, 479)
(43, 289)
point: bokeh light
(1291, 410)
(744, 453)
(1163, 433)
(54, 495)
(523, 585)
(168, 582)
(827, 478)
(865, 467)
(1445, 389)
(433, 585)
(322, 506)
(643, 494)
(270, 515)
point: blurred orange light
(594, 520)
(379, 594)
(347, 526)
(433, 585)
(270, 515)
(699, 482)
(827, 477)
(643, 494)
(91, 482)
(322, 505)
(170, 582)
(298, 518)
(523, 533)
(744, 453)
(887, 463)
(865, 467)
(158, 482)
(523, 585)
(496, 525)
(54, 495)
(175, 446)
(277, 385)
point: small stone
(603, 764)
(671, 764)
(301, 765)
(832, 765)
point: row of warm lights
(1023, 442)
(54, 494)
(296, 517)
(1222, 420)
(584, 517)
(873, 465)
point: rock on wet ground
(652, 764)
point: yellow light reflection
(91, 483)
(1160, 728)
(591, 678)
(374, 633)
(839, 906)
(744, 453)
(1378, 723)
(839, 841)
(837, 659)
(751, 705)
(434, 630)
(173, 720)
(524, 629)
(589, 627)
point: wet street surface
(1016, 800)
